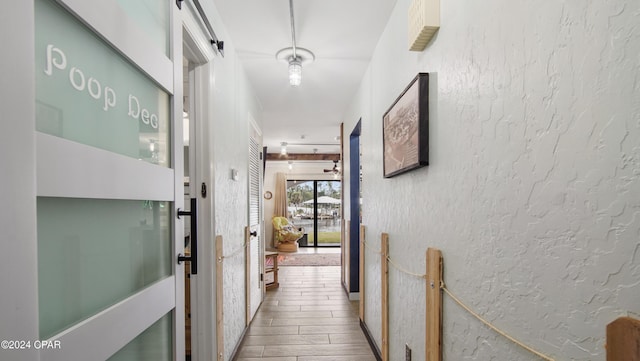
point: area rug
(309, 259)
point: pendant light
(294, 56)
(295, 72)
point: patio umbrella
(324, 200)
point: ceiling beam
(303, 156)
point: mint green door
(108, 285)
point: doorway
(197, 67)
(315, 206)
(355, 200)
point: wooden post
(247, 274)
(434, 306)
(343, 240)
(361, 288)
(219, 299)
(384, 266)
(623, 339)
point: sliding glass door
(315, 206)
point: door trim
(203, 298)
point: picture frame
(405, 129)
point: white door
(109, 179)
(255, 250)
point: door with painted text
(107, 167)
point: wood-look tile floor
(308, 318)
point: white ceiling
(341, 33)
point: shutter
(254, 182)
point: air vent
(424, 21)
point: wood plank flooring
(308, 318)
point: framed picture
(405, 129)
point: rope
(237, 251)
(395, 265)
(367, 245)
(423, 276)
(446, 290)
(541, 355)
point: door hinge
(261, 277)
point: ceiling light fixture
(294, 56)
(290, 165)
(295, 72)
(283, 148)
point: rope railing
(394, 264)
(404, 270)
(369, 247)
(237, 251)
(491, 326)
(460, 303)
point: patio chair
(286, 235)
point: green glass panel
(153, 17)
(93, 253)
(89, 93)
(154, 344)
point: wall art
(405, 129)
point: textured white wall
(533, 189)
(231, 151)
(231, 103)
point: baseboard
(372, 342)
(353, 296)
(234, 354)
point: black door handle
(194, 237)
(253, 234)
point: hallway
(308, 318)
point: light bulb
(283, 148)
(295, 72)
(290, 165)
